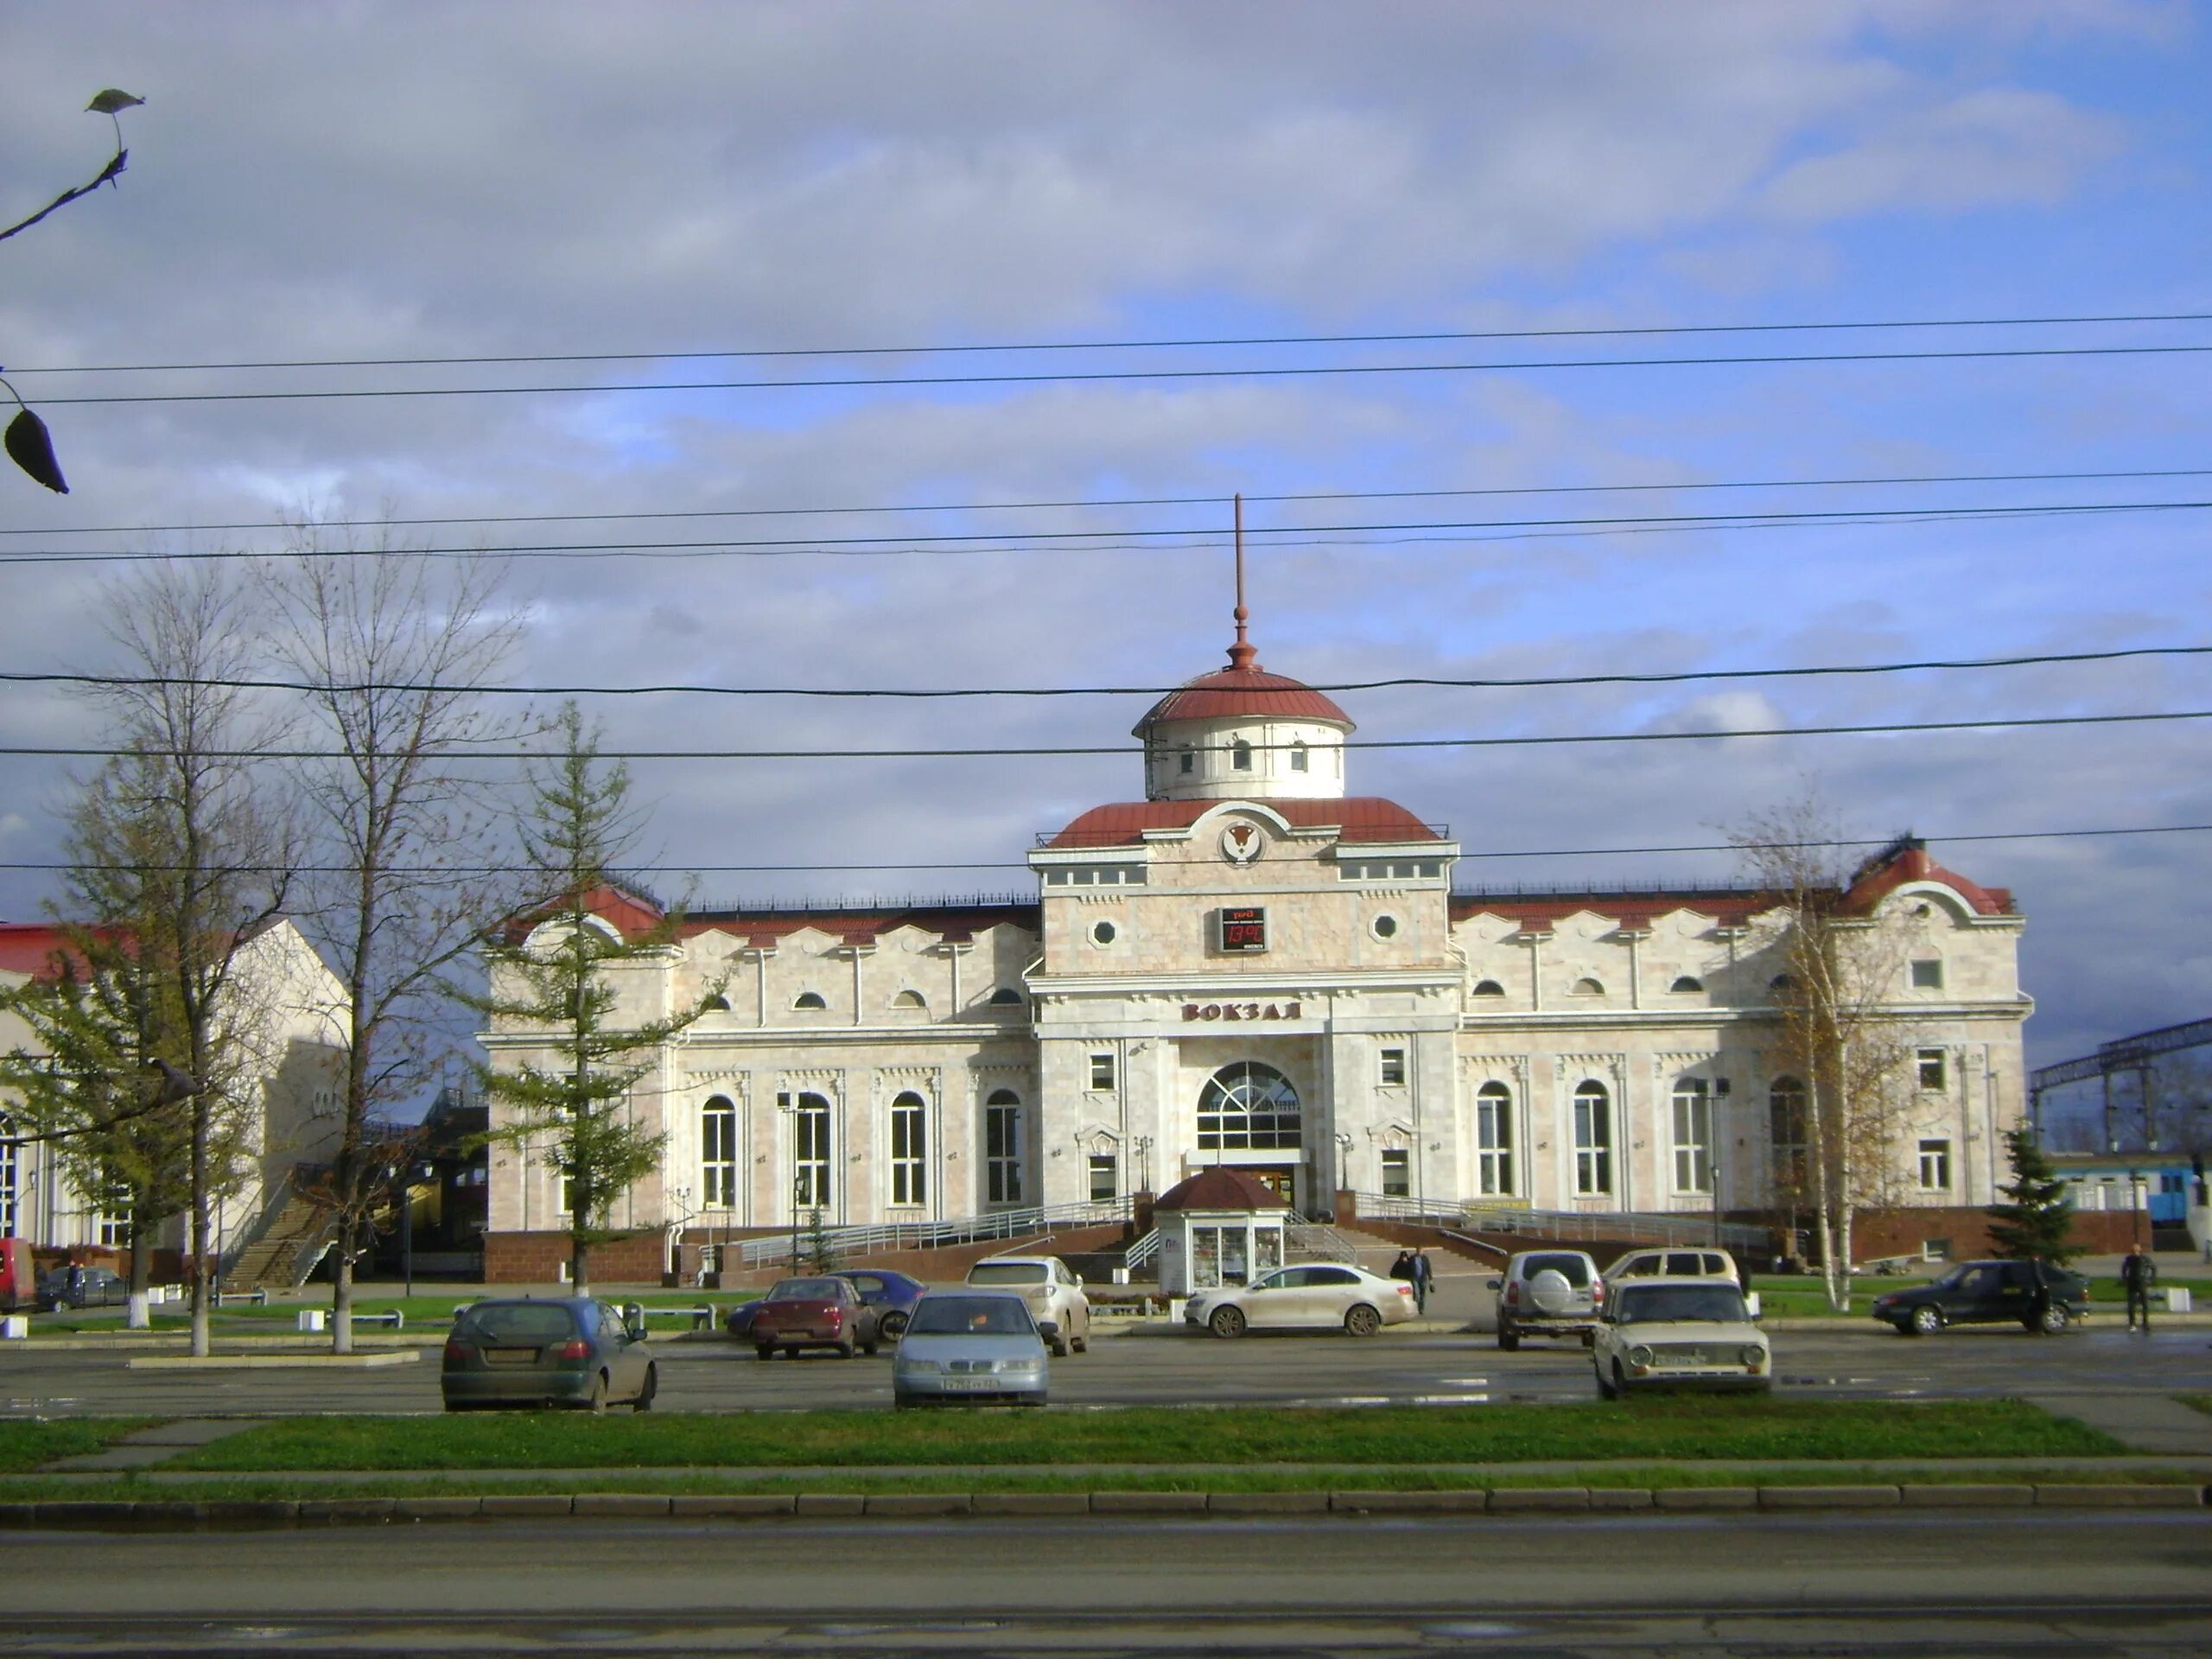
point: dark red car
(824, 1312)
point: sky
(1046, 195)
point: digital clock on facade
(1244, 927)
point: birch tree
(394, 651)
(561, 977)
(1841, 1034)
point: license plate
(969, 1384)
(511, 1356)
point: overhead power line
(1471, 682)
(1431, 336)
(1672, 850)
(1909, 479)
(1137, 540)
(2018, 723)
(1076, 377)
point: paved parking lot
(1162, 1368)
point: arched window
(909, 1000)
(1781, 982)
(1297, 755)
(1593, 1140)
(1686, 982)
(1588, 987)
(718, 1153)
(1240, 755)
(1185, 761)
(715, 1004)
(1248, 1105)
(808, 1002)
(1785, 1113)
(1488, 988)
(1003, 1147)
(1494, 1139)
(1006, 997)
(810, 1152)
(909, 1148)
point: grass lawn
(1692, 1429)
(25, 1443)
(2200, 1402)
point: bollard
(395, 1319)
(2178, 1299)
(311, 1319)
(14, 1327)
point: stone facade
(1251, 968)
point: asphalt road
(1173, 1368)
(1950, 1584)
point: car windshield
(520, 1323)
(1646, 1303)
(951, 1316)
(1573, 1268)
(1010, 1273)
(1950, 1280)
(808, 1290)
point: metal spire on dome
(1243, 654)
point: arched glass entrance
(1246, 1106)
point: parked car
(1674, 1263)
(971, 1346)
(1314, 1296)
(2034, 1294)
(1679, 1333)
(824, 1311)
(891, 1294)
(75, 1286)
(568, 1350)
(1548, 1293)
(1053, 1293)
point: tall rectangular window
(1105, 1177)
(1102, 1071)
(1935, 1165)
(1394, 1068)
(1932, 1070)
(810, 1153)
(1397, 1173)
(909, 1147)
(1593, 1141)
(9, 1173)
(718, 1153)
(1003, 1148)
(1693, 1136)
(1494, 1140)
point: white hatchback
(1053, 1291)
(1315, 1296)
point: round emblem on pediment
(1240, 843)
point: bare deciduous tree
(396, 649)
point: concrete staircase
(283, 1254)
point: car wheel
(644, 1399)
(1926, 1320)
(1508, 1338)
(894, 1326)
(869, 1348)
(595, 1402)
(2053, 1319)
(1609, 1387)
(1060, 1348)
(1362, 1321)
(765, 1349)
(1082, 1344)
(848, 1348)
(1227, 1322)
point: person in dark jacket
(1403, 1267)
(1423, 1274)
(2137, 1272)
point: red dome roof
(1356, 818)
(1228, 693)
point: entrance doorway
(1281, 1180)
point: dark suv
(2033, 1294)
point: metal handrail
(1143, 1250)
(1628, 1226)
(1318, 1242)
(929, 1235)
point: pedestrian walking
(2137, 1272)
(1424, 1275)
(1403, 1267)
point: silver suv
(1054, 1292)
(1548, 1293)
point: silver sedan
(970, 1345)
(1316, 1296)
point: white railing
(1143, 1250)
(1627, 1226)
(841, 1243)
(1315, 1240)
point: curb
(153, 1515)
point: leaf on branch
(109, 99)
(30, 449)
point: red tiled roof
(1221, 1189)
(1537, 912)
(958, 924)
(28, 947)
(1359, 818)
(1228, 692)
(1915, 863)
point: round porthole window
(1103, 933)
(1386, 927)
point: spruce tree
(2036, 1223)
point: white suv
(1054, 1294)
(1548, 1293)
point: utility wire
(1669, 850)
(1501, 683)
(1887, 728)
(1426, 336)
(1278, 372)
(1138, 540)
(1118, 501)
